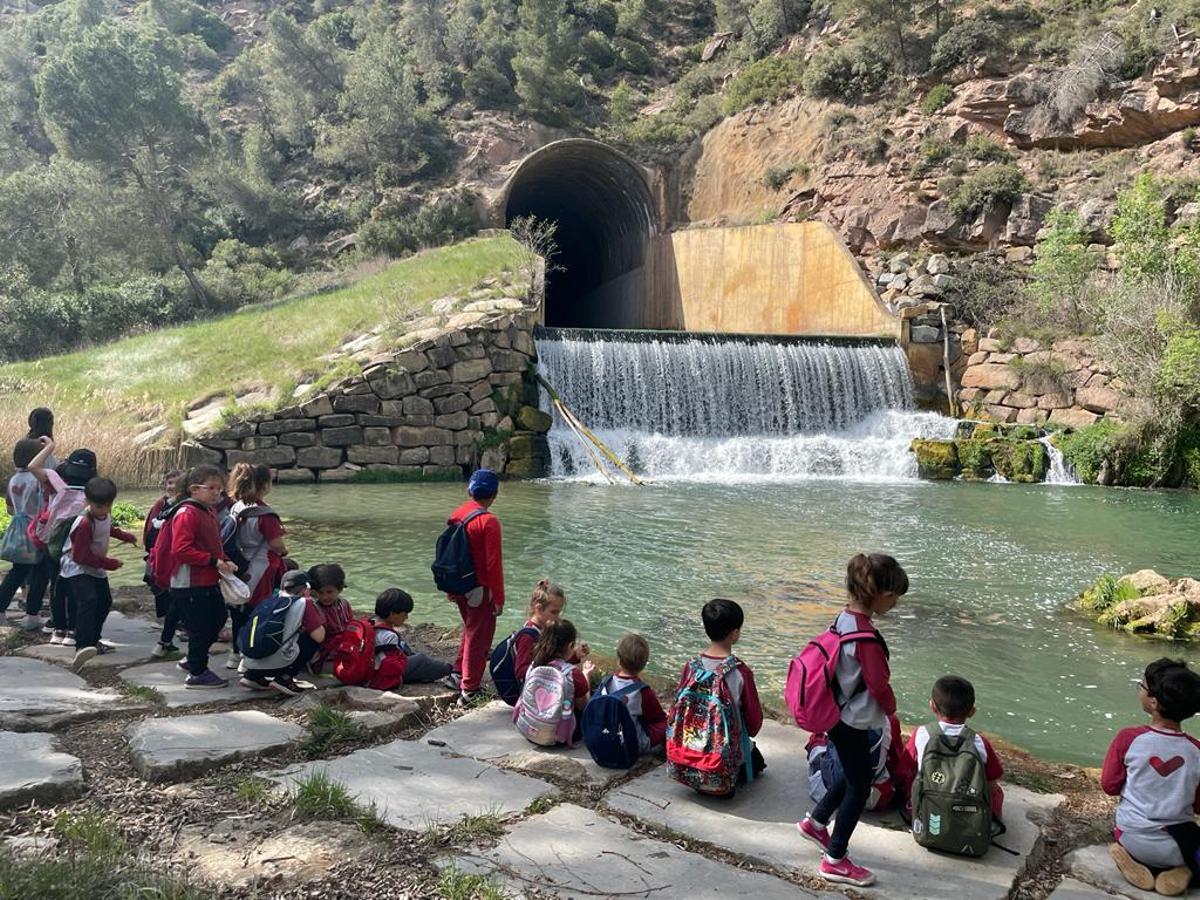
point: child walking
(23, 497)
(864, 693)
(260, 536)
(196, 563)
(1155, 770)
(85, 566)
(163, 607)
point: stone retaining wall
(433, 410)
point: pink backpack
(810, 692)
(545, 712)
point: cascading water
(1060, 471)
(725, 410)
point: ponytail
(543, 591)
(554, 641)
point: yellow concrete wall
(790, 278)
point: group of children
(284, 621)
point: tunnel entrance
(605, 216)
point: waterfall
(728, 410)
(1059, 472)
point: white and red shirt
(992, 768)
(86, 549)
(863, 676)
(1157, 775)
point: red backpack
(353, 652)
(810, 693)
(161, 563)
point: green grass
(274, 345)
(320, 797)
(328, 728)
(252, 789)
(144, 693)
(456, 885)
(487, 826)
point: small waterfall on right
(686, 408)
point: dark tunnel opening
(605, 218)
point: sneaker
(183, 666)
(47, 628)
(233, 660)
(285, 686)
(1132, 870)
(845, 872)
(31, 623)
(207, 679)
(57, 637)
(453, 681)
(69, 639)
(82, 655)
(811, 831)
(162, 650)
(471, 698)
(1173, 882)
(304, 685)
(254, 684)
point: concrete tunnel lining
(605, 214)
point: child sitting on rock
(633, 654)
(328, 581)
(395, 660)
(1155, 770)
(556, 647)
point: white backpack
(545, 712)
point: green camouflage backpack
(951, 800)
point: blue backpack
(453, 568)
(609, 731)
(503, 666)
(266, 629)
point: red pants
(479, 627)
(390, 674)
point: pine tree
(545, 82)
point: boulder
(281, 426)
(407, 436)
(936, 459)
(1073, 418)
(991, 376)
(319, 457)
(530, 418)
(1024, 461)
(975, 459)
(372, 454)
(316, 407)
(469, 370)
(271, 456)
(1099, 399)
(1147, 581)
(394, 385)
(925, 334)
(342, 437)
(356, 403)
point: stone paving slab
(132, 639)
(168, 680)
(32, 769)
(1094, 866)
(38, 695)
(573, 852)
(760, 823)
(414, 786)
(188, 745)
(1070, 889)
(487, 734)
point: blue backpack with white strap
(503, 666)
(609, 731)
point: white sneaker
(68, 640)
(57, 637)
(82, 655)
(233, 660)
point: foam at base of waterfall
(1060, 472)
(876, 449)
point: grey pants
(423, 669)
(1155, 849)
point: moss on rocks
(975, 459)
(1021, 461)
(1147, 604)
(936, 460)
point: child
(305, 632)
(953, 702)
(723, 620)
(23, 498)
(633, 653)
(85, 566)
(545, 606)
(163, 607)
(395, 661)
(874, 584)
(197, 561)
(556, 647)
(889, 767)
(259, 538)
(1155, 770)
(65, 500)
(328, 582)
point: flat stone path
(189, 745)
(573, 852)
(133, 639)
(31, 768)
(1070, 889)
(414, 785)
(38, 695)
(760, 823)
(488, 734)
(168, 680)
(1094, 866)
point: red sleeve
(122, 535)
(485, 550)
(583, 690)
(187, 542)
(752, 713)
(877, 675)
(1112, 776)
(993, 768)
(312, 618)
(654, 720)
(271, 528)
(525, 644)
(151, 516)
(81, 547)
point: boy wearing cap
(481, 606)
(304, 628)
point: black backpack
(503, 665)
(453, 568)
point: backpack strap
(473, 514)
(633, 687)
(954, 744)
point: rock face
(1147, 604)
(426, 410)
(982, 450)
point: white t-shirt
(950, 730)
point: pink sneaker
(811, 831)
(845, 872)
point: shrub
(765, 81)
(963, 41)
(394, 231)
(777, 176)
(984, 149)
(938, 97)
(985, 290)
(936, 149)
(632, 57)
(845, 73)
(487, 87)
(1089, 448)
(1179, 378)
(596, 51)
(1062, 271)
(997, 185)
(238, 274)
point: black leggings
(848, 796)
(37, 574)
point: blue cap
(484, 483)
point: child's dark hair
(196, 475)
(25, 450)
(100, 490)
(721, 617)
(392, 601)
(172, 475)
(953, 696)
(633, 653)
(869, 576)
(553, 643)
(41, 423)
(327, 575)
(248, 481)
(1175, 687)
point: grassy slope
(272, 345)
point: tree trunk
(166, 224)
(73, 261)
